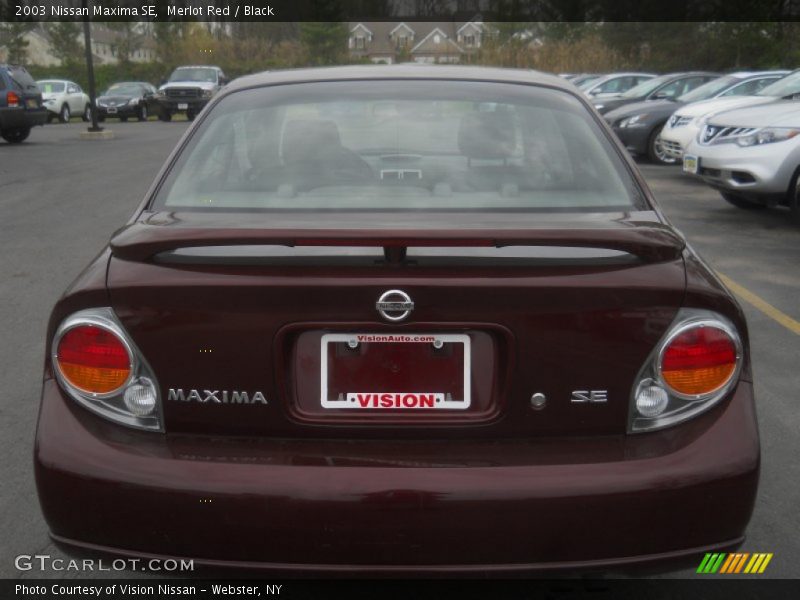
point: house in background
(105, 42)
(423, 42)
(39, 49)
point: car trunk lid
(249, 328)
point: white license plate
(32, 103)
(183, 106)
(390, 372)
(112, 111)
(691, 164)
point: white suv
(63, 99)
(751, 155)
(686, 122)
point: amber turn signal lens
(93, 359)
(699, 361)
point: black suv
(20, 104)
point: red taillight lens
(93, 359)
(12, 99)
(699, 361)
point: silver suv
(751, 155)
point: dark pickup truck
(188, 90)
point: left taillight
(93, 359)
(12, 99)
(694, 366)
(99, 366)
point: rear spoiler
(651, 242)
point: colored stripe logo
(736, 562)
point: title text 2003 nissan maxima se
(398, 319)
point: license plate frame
(183, 106)
(426, 400)
(111, 110)
(691, 164)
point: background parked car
(127, 99)
(64, 98)
(614, 84)
(663, 87)
(188, 90)
(751, 155)
(639, 125)
(683, 126)
(20, 104)
(583, 78)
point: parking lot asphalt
(61, 198)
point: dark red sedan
(399, 319)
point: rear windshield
(21, 79)
(588, 82)
(644, 88)
(709, 89)
(399, 146)
(788, 86)
(51, 87)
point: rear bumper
(21, 118)
(636, 565)
(396, 507)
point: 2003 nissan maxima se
(398, 319)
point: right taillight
(698, 360)
(693, 367)
(99, 366)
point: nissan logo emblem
(394, 305)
